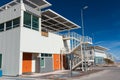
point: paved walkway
(56, 75)
(109, 73)
(60, 72)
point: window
(42, 55)
(90, 52)
(0, 60)
(42, 62)
(8, 25)
(91, 58)
(50, 55)
(46, 55)
(27, 20)
(31, 21)
(1, 27)
(16, 22)
(35, 23)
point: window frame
(43, 62)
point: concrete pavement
(109, 73)
(57, 75)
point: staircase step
(76, 65)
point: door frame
(54, 61)
(29, 60)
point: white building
(100, 54)
(28, 39)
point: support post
(83, 39)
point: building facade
(28, 38)
(100, 54)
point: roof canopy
(37, 4)
(101, 48)
(55, 22)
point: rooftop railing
(87, 39)
(73, 35)
(75, 39)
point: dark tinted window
(35, 23)
(8, 25)
(27, 20)
(16, 22)
(1, 27)
(0, 60)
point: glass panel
(42, 55)
(46, 55)
(1, 27)
(16, 22)
(42, 62)
(35, 23)
(27, 20)
(50, 55)
(0, 60)
(8, 25)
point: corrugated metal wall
(48, 65)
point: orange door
(56, 60)
(27, 62)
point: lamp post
(83, 45)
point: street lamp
(83, 45)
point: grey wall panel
(10, 13)
(48, 65)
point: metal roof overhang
(54, 22)
(100, 47)
(36, 4)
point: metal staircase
(76, 62)
(72, 43)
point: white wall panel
(9, 47)
(32, 41)
(98, 54)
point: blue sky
(101, 19)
